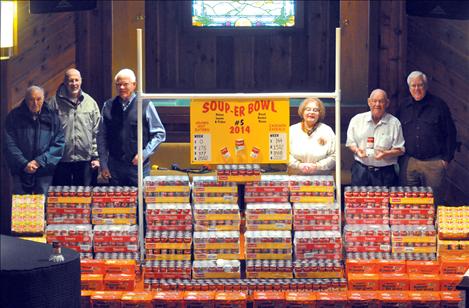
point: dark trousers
(363, 175)
(73, 174)
(31, 184)
(124, 173)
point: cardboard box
(424, 282)
(363, 282)
(394, 282)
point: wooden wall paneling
(392, 51)
(204, 69)
(225, 63)
(262, 62)
(243, 62)
(354, 53)
(44, 52)
(94, 47)
(316, 29)
(127, 17)
(176, 122)
(452, 34)
(299, 61)
(280, 62)
(450, 57)
(187, 62)
(151, 50)
(163, 30)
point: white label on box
(278, 146)
(202, 147)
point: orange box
(92, 266)
(424, 282)
(361, 266)
(394, 282)
(168, 299)
(393, 299)
(423, 267)
(391, 266)
(425, 299)
(119, 267)
(451, 299)
(137, 299)
(454, 265)
(300, 300)
(363, 282)
(331, 299)
(449, 282)
(367, 299)
(119, 282)
(268, 299)
(108, 299)
(196, 299)
(92, 282)
(230, 300)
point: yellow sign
(239, 131)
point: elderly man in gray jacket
(79, 115)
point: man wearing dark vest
(117, 135)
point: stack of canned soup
(453, 231)
(316, 221)
(68, 218)
(115, 239)
(268, 254)
(216, 217)
(216, 254)
(311, 189)
(216, 225)
(367, 231)
(412, 221)
(268, 242)
(207, 189)
(268, 216)
(270, 188)
(114, 216)
(168, 237)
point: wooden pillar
(127, 17)
(355, 53)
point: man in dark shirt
(430, 137)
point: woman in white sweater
(312, 143)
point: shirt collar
(384, 118)
(126, 104)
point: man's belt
(374, 168)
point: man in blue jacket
(117, 134)
(33, 143)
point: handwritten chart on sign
(239, 131)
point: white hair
(376, 91)
(126, 72)
(416, 74)
(31, 89)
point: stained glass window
(237, 13)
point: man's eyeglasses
(417, 85)
(123, 84)
(377, 101)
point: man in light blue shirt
(117, 135)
